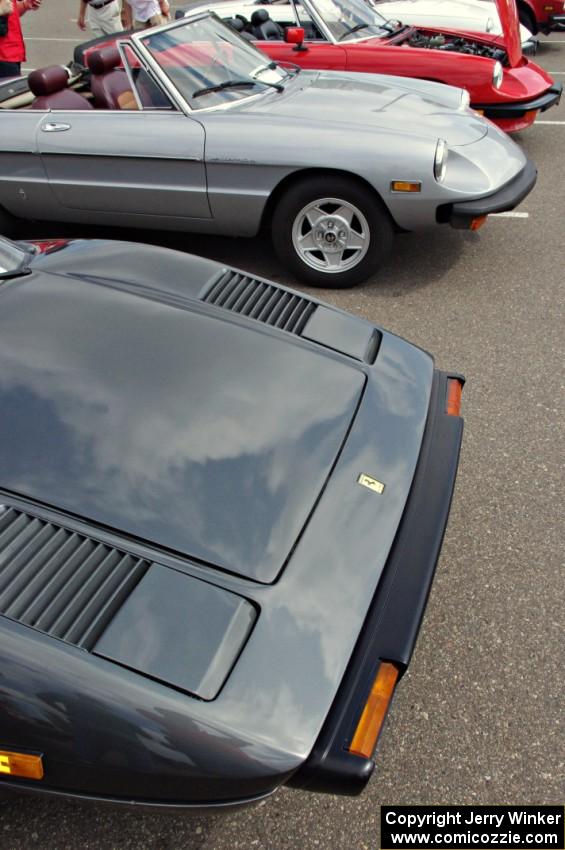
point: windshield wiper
(286, 66)
(228, 84)
(356, 28)
(22, 268)
(270, 66)
(392, 26)
(225, 85)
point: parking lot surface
(478, 717)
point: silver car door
(24, 190)
(138, 163)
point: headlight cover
(497, 74)
(440, 160)
(465, 99)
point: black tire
(288, 215)
(7, 223)
(527, 19)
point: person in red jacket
(12, 47)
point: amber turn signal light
(476, 223)
(406, 186)
(367, 731)
(20, 764)
(453, 403)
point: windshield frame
(312, 9)
(168, 84)
(18, 252)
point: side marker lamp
(406, 186)
(453, 402)
(477, 223)
(20, 764)
(373, 716)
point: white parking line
(510, 215)
(41, 38)
(555, 123)
(560, 73)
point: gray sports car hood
(367, 101)
(139, 400)
(180, 427)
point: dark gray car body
(214, 453)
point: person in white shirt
(103, 16)
(147, 13)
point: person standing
(103, 16)
(147, 13)
(12, 45)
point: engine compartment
(457, 45)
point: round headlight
(440, 161)
(497, 74)
(465, 99)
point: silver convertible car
(221, 507)
(190, 127)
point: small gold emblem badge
(371, 483)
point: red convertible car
(350, 35)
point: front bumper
(502, 200)
(530, 47)
(393, 622)
(557, 22)
(509, 111)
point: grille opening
(261, 301)
(60, 582)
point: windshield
(12, 258)
(349, 20)
(210, 64)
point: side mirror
(295, 35)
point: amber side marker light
(453, 403)
(476, 223)
(365, 737)
(406, 186)
(20, 764)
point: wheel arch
(302, 175)
(527, 16)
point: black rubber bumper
(517, 110)
(392, 625)
(530, 47)
(502, 200)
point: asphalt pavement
(478, 719)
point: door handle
(54, 127)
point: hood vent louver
(261, 301)
(60, 582)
